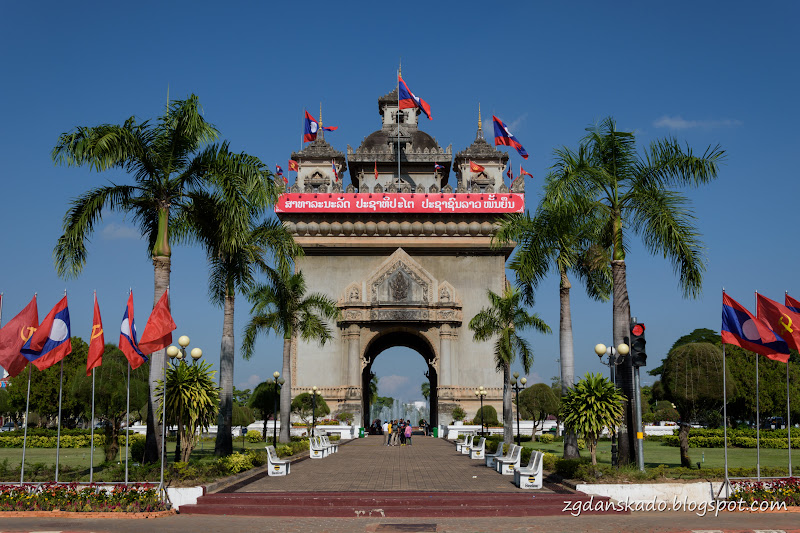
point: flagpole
(128, 424)
(25, 434)
(788, 419)
(397, 119)
(58, 433)
(758, 428)
(91, 441)
(725, 418)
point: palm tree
(225, 221)
(594, 404)
(282, 305)
(564, 237)
(166, 159)
(634, 193)
(504, 319)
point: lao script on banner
(400, 203)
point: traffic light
(638, 354)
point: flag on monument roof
(475, 167)
(505, 138)
(408, 100)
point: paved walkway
(366, 465)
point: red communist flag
(781, 319)
(293, 165)
(97, 344)
(14, 335)
(475, 167)
(158, 331)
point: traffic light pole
(639, 434)
(638, 358)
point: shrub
(458, 413)
(569, 468)
(236, 462)
(137, 447)
(253, 436)
(345, 417)
(488, 414)
(546, 438)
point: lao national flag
(13, 337)
(158, 330)
(293, 166)
(741, 328)
(333, 167)
(279, 172)
(310, 129)
(127, 337)
(504, 137)
(407, 100)
(781, 319)
(97, 343)
(437, 166)
(510, 174)
(51, 341)
(475, 167)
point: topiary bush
(253, 436)
(488, 414)
(546, 438)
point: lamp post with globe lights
(615, 357)
(313, 392)
(278, 384)
(480, 393)
(517, 386)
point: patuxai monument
(398, 232)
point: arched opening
(407, 339)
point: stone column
(354, 356)
(445, 373)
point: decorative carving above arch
(400, 279)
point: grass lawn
(656, 453)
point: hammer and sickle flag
(14, 335)
(158, 330)
(781, 319)
(97, 344)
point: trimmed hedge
(735, 441)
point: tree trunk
(224, 442)
(508, 415)
(187, 444)
(624, 371)
(286, 391)
(161, 268)
(592, 449)
(683, 438)
(567, 360)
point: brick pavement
(367, 465)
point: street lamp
(517, 387)
(615, 357)
(313, 393)
(480, 393)
(278, 384)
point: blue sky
(709, 73)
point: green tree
(281, 305)
(263, 400)
(692, 380)
(373, 387)
(458, 414)
(636, 194)
(307, 408)
(241, 397)
(167, 159)
(425, 389)
(486, 415)
(504, 319)
(593, 405)
(225, 220)
(537, 402)
(111, 394)
(192, 401)
(564, 237)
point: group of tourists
(397, 432)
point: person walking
(386, 428)
(409, 429)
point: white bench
(490, 457)
(276, 466)
(461, 443)
(316, 450)
(530, 477)
(465, 448)
(478, 451)
(509, 462)
(331, 446)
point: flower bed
(81, 498)
(786, 490)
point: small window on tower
(400, 117)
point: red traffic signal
(637, 329)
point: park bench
(316, 450)
(478, 451)
(276, 466)
(333, 447)
(530, 477)
(465, 449)
(490, 457)
(507, 463)
(466, 442)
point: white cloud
(679, 123)
(391, 385)
(115, 231)
(250, 382)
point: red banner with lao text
(400, 203)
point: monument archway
(407, 338)
(408, 257)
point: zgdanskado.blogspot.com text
(575, 508)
